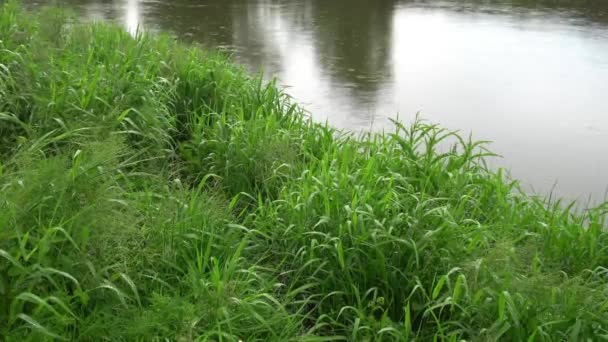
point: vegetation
(153, 191)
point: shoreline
(153, 190)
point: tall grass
(153, 191)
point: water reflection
(132, 16)
(355, 45)
(530, 75)
(532, 87)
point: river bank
(151, 190)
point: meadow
(153, 191)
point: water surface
(531, 76)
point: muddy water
(531, 77)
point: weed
(153, 191)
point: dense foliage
(153, 191)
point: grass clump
(153, 191)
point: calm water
(531, 78)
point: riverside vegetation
(153, 191)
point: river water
(529, 75)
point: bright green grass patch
(153, 191)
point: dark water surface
(532, 76)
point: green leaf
(460, 283)
(438, 287)
(501, 307)
(39, 327)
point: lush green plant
(153, 191)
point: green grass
(153, 191)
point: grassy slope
(150, 190)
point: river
(530, 76)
